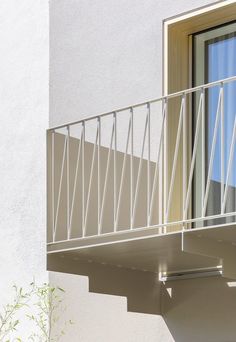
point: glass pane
(215, 59)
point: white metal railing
(144, 166)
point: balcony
(150, 187)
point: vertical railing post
(184, 141)
(68, 181)
(115, 170)
(131, 166)
(203, 152)
(161, 165)
(222, 149)
(99, 171)
(166, 160)
(148, 163)
(53, 182)
(83, 179)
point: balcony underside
(147, 250)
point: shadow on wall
(142, 289)
(200, 309)
(104, 318)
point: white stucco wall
(106, 55)
(23, 120)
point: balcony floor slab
(146, 249)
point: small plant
(48, 303)
(45, 304)
(8, 322)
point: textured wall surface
(23, 120)
(106, 54)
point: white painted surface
(23, 120)
(106, 54)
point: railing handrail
(164, 97)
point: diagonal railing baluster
(229, 168)
(60, 185)
(197, 130)
(122, 176)
(75, 180)
(90, 180)
(212, 155)
(105, 182)
(157, 166)
(139, 171)
(176, 152)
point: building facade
(140, 163)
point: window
(207, 29)
(214, 58)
